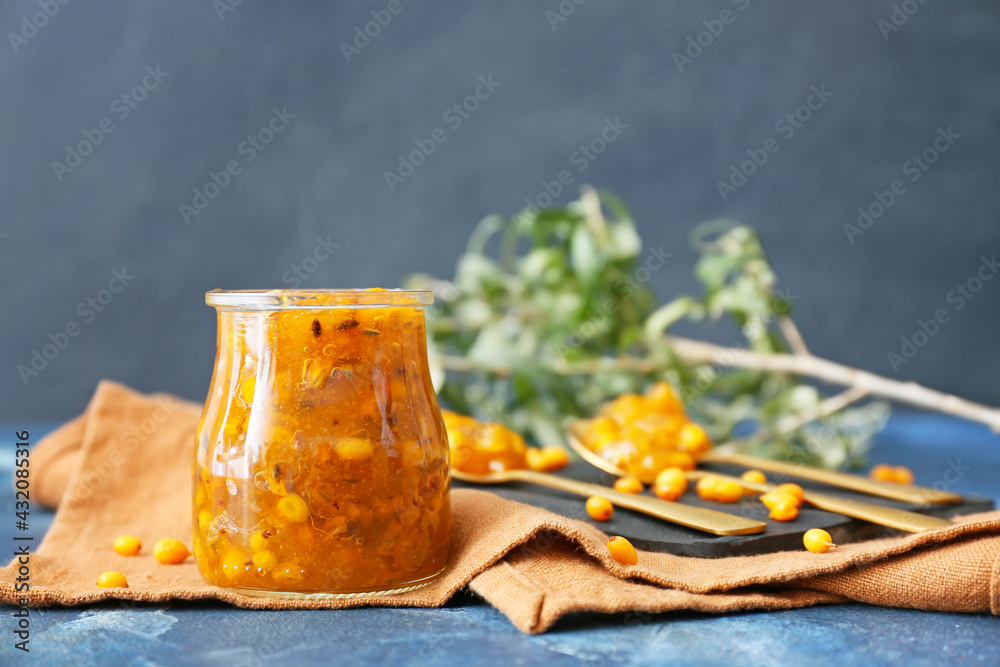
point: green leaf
(486, 228)
(586, 259)
(555, 289)
(666, 316)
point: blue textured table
(960, 456)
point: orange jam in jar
(321, 463)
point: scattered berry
(785, 509)
(755, 476)
(793, 490)
(772, 498)
(112, 580)
(707, 487)
(728, 491)
(599, 508)
(622, 551)
(127, 545)
(548, 459)
(817, 540)
(681, 460)
(170, 552)
(884, 472)
(628, 485)
(670, 484)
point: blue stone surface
(960, 456)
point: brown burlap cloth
(124, 467)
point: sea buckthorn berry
(755, 476)
(170, 552)
(480, 449)
(887, 473)
(293, 508)
(793, 490)
(234, 563)
(628, 485)
(622, 551)
(904, 475)
(772, 498)
(264, 560)
(883, 472)
(728, 491)
(681, 460)
(246, 392)
(259, 540)
(693, 438)
(670, 484)
(354, 449)
(549, 459)
(112, 580)
(662, 398)
(599, 508)
(707, 487)
(127, 545)
(290, 573)
(817, 540)
(533, 457)
(785, 509)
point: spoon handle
(709, 521)
(911, 522)
(906, 492)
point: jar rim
(282, 299)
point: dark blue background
(323, 176)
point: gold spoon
(906, 492)
(710, 521)
(911, 522)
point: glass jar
(321, 463)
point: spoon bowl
(906, 492)
(879, 514)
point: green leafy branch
(548, 316)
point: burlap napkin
(124, 467)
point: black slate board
(652, 534)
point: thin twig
(823, 409)
(693, 351)
(792, 334)
(792, 423)
(593, 214)
(699, 352)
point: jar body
(321, 463)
